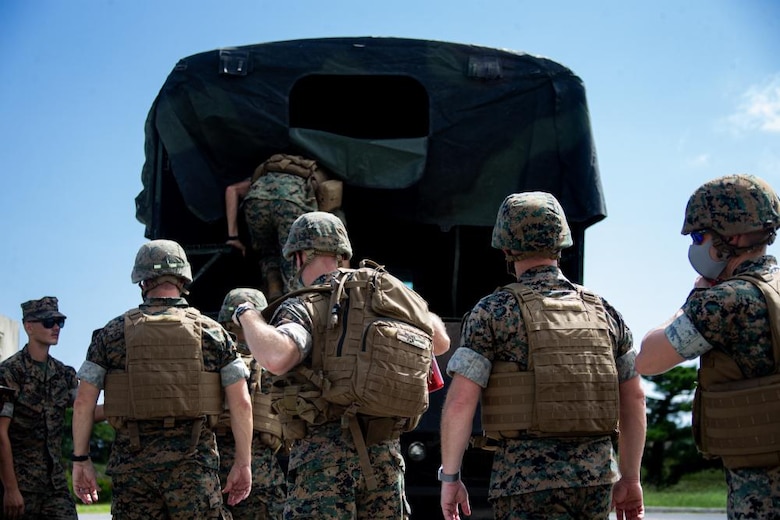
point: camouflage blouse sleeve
(8, 378)
(491, 331)
(220, 354)
(623, 341)
(732, 316)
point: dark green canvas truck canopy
(449, 129)
(429, 137)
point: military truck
(428, 138)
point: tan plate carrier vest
(164, 377)
(264, 420)
(571, 385)
(734, 418)
(328, 191)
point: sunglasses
(698, 237)
(49, 323)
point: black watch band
(79, 458)
(447, 477)
(241, 309)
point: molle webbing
(378, 346)
(264, 420)
(571, 386)
(298, 402)
(738, 419)
(292, 164)
(508, 401)
(164, 376)
(328, 191)
(371, 356)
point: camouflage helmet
(238, 296)
(160, 257)
(732, 205)
(319, 231)
(531, 222)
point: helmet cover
(158, 258)
(236, 297)
(318, 231)
(531, 222)
(732, 205)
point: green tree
(99, 444)
(670, 451)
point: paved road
(652, 514)
(682, 514)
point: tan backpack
(327, 191)
(375, 359)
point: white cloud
(700, 160)
(760, 108)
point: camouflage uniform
(324, 473)
(325, 479)
(548, 477)
(269, 488)
(494, 331)
(273, 203)
(166, 477)
(732, 316)
(41, 394)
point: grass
(97, 508)
(706, 489)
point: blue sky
(679, 92)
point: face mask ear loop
(725, 251)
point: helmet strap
(308, 258)
(515, 256)
(728, 251)
(148, 285)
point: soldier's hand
(239, 484)
(85, 482)
(238, 245)
(454, 494)
(628, 499)
(13, 504)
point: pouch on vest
(378, 344)
(265, 422)
(571, 385)
(737, 419)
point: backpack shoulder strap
(269, 311)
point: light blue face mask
(702, 262)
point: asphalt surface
(651, 514)
(682, 514)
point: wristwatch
(446, 477)
(241, 309)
